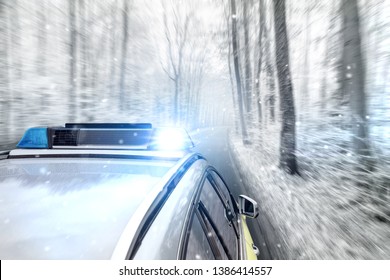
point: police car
(117, 191)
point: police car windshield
(70, 208)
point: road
(214, 145)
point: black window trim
(207, 175)
(222, 197)
(205, 218)
(211, 241)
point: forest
(304, 87)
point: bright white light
(170, 139)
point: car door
(214, 218)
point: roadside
(331, 212)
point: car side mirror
(248, 206)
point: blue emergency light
(34, 138)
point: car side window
(222, 187)
(214, 213)
(198, 247)
(220, 252)
(224, 193)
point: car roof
(51, 205)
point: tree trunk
(354, 81)
(176, 101)
(269, 65)
(72, 61)
(237, 72)
(259, 61)
(42, 38)
(287, 140)
(125, 38)
(42, 52)
(83, 59)
(17, 67)
(325, 64)
(4, 77)
(235, 109)
(176, 43)
(113, 59)
(248, 70)
(305, 107)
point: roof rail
(4, 154)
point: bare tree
(304, 108)
(4, 78)
(113, 59)
(227, 14)
(265, 56)
(354, 80)
(125, 39)
(237, 72)
(176, 42)
(269, 63)
(17, 65)
(42, 37)
(41, 58)
(247, 62)
(287, 138)
(260, 55)
(83, 35)
(326, 61)
(72, 60)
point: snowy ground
(331, 211)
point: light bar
(35, 137)
(107, 136)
